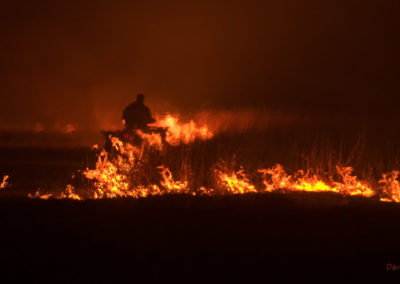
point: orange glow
(178, 132)
(40, 196)
(69, 194)
(351, 185)
(120, 174)
(390, 187)
(4, 183)
(153, 139)
(171, 185)
(277, 179)
(235, 182)
(69, 128)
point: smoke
(237, 120)
(81, 63)
(242, 120)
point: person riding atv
(137, 116)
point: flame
(151, 139)
(4, 183)
(277, 179)
(114, 176)
(39, 195)
(68, 193)
(351, 185)
(178, 132)
(109, 178)
(390, 187)
(170, 184)
(235, 182)
(120, 173)
(204, 191)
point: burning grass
(193, 160)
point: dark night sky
(81, 62)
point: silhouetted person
(137, 115)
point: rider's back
(137, 115)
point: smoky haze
(82, 62)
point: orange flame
(178, 132)
(4, 183)
(68, 193)
(390, 187)
(40, 196)
(170, 184)
(276, 178)
(116, 175)
(235, 182)
(151, 139)
(351, 185)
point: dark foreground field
(190, 238)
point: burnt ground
(184, 238)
